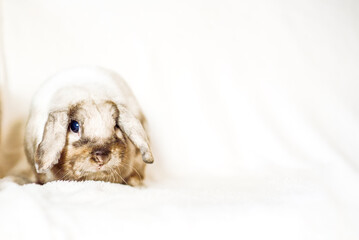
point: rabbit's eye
(74, 126)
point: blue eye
(74, 126)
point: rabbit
(85, 124)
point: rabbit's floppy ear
(53, 141)
(133, 128)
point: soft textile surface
(291, 205)
(253, 108)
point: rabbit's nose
(102, 157)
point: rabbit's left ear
(133, 128)
(53, 141)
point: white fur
(83, 84)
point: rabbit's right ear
(53, 141)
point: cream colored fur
(109, 116)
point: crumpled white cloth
(287, 205)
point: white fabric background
(253, 108)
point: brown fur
(78, 161)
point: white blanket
(290, 205)
(253, 108)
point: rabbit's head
(91, 140)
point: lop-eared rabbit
(85, 124)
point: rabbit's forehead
(97, 119)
